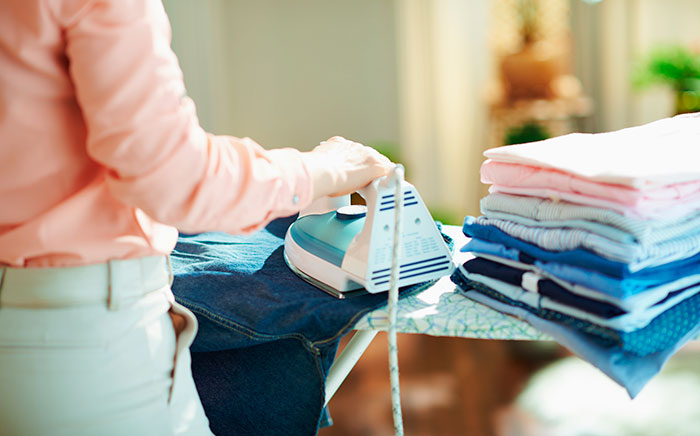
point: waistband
(111, 283)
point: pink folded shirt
(674, 211)
(102, 155)
(518, 175)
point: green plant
(528, 132)
(675, 66)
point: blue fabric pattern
(266, 338)
(662, 333)
(630, 371)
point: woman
(101, 159)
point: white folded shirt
(660, 153)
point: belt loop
(171, 275)
(112, 299)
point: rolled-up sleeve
(144, 130)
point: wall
(290, 73)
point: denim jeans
(266, 338)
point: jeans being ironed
(267, 338)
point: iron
(348, 251)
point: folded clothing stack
(595, 239)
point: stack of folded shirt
(595, 239)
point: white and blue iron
(349, 250)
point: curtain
(444, 65)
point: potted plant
(530, 72)
(676, 66)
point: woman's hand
(339, 166)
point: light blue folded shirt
(546, 213)
(609, 232)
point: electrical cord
(398, 176)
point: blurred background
(432, 84)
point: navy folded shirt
(545, 287)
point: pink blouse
(101, 152)
(513, 175)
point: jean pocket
(186, 411)
(183, 342)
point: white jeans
(92, 351)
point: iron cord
(398, 176)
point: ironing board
(437, 311)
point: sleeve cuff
(297, 176)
